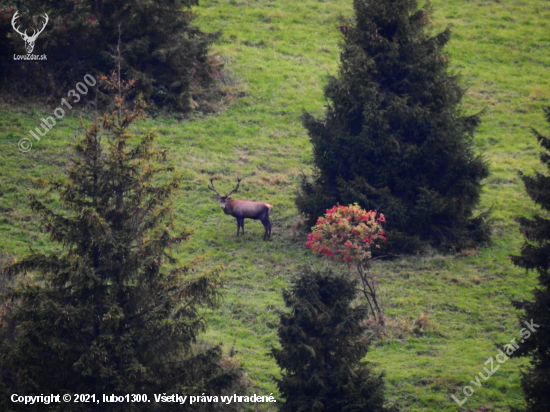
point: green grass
(282, 53)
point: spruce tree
(323, 342)
(113, 313)
(394, 137)
(535, 255)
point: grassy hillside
(282, 53)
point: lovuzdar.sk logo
(29, 40)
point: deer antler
(236, 187)
(213, 188)
(25, 35)
(35, 34)
(15, 17)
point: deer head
(29, 40)
(223, 199)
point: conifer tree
(535, 255)
(394, 137)
(113, 313)
(323, 342)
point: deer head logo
(29, 40)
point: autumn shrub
(347, 234)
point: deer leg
(238, 226)
(267, 226)
(242, 224)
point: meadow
(280, 54)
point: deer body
(245, 209)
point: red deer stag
(244, 209)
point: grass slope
(282, 52)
